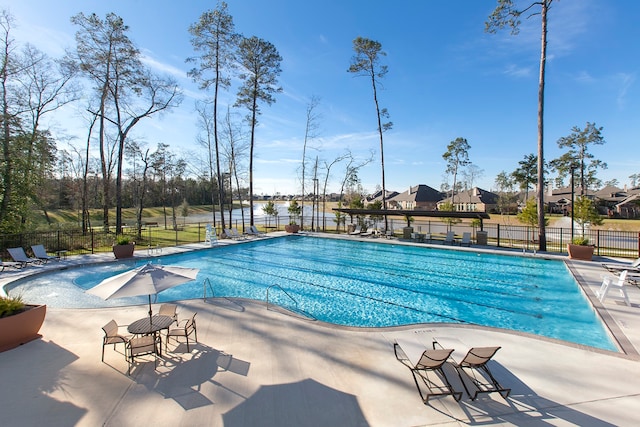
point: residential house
(473, 200)
(419, 197)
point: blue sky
(447, 78)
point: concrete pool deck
(259, 367)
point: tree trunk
(542, 237)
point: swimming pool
(365, 284)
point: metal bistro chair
(184, 328)
(142, 346)
(111, 336)
(168, 310)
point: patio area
(259, 367)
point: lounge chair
(112, 336)
(471, 366)
(450, 238)
(367, 233)
(356, 231)
(618, 267)
(389, 233)
(466, 239)
(20, 256)
(253, 231)
(7, 264)
(232, 233)
(184, 328)
(420, 362)
(610, 283)
(41, 253)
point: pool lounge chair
(41, 253)
(450, 238)
(471, 366)
(232, 233)
(21, 257)
(420, 362)
(466, 239)
(616, 268)
(357, 231)
(367, 233)
(253, 231)
(7, 264)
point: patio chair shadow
(30, 374)
(522, 401)
(304, 403)
(185, 377)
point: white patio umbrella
(150, 279)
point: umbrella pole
(150, 311)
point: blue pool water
(365, 284)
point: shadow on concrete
(28, 381)
(304, 403)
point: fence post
(598, 242)
(92, 242)
(498, 236)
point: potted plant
(584, 213)
(294, 210)
(123, 248)
(580, 249)
(19, 322)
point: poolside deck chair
(20, 256)
(41, 253)
(420, 362)
(615, 267)
(389, 233)
(450, 238)
(466, 239)
(610, 283)
(112, 336)
(367, 233)
(471, 366)
(185, 328)
(9, 264)
(142, 346)
(233, 234)
(253, 231)
(356, 231)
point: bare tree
(506, 14)
(310, 132)
(235, 151)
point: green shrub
(581, 240)
(122, 240)
(10, 306)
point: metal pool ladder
(295, 302)
(204, 288)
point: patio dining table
(150, 325)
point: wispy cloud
(625, 80)
(513, 70)
(162, 67)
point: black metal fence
(607, 242)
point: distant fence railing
(625, 244)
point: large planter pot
(21, 328)
(292, 228)
(123, 251)
(580, 252)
